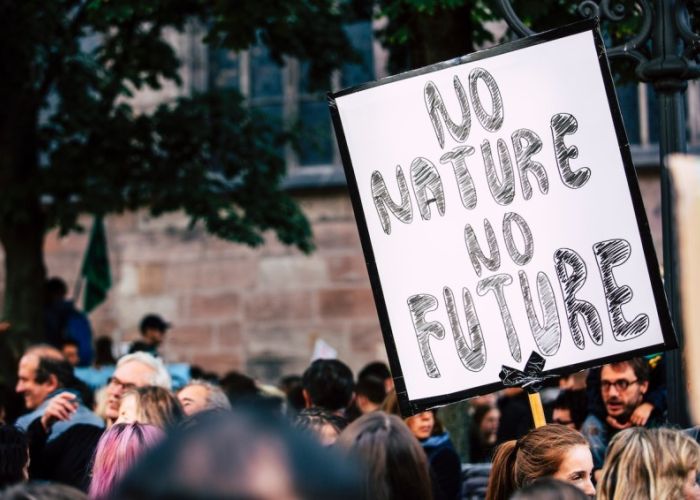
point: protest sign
(500, 215)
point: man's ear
(644, 386)
(307, 399)
(52, 382)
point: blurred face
(127, 376)
(70, 352)
(34, 393)
(154, 336)
(562, 416)
(128, 410)
(421, 425)
(489, 425)
(621, 391)
(691, 489)
(577, 469)
(193, 399)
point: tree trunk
(22, 241)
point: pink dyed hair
(117, 451)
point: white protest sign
(500, 214)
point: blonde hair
(539, 453)
(648, 463)
(156, 406)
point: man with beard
(622, 388)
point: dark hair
(375, 369)
(60, 368)
(372, 387)
(55, 288)
(153, 322)
(315, 418)
(14, 455)
(549, 489)
(292, 387)
(640, 367)
(43, 491)
(103, 352)
(238, 387)
(396, 467)
(329, 384)
(577, 404)
(216, 455)
(66, 342)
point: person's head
(150, 405)
(117, 451)
(391, 404)
(134, 370)
(323, 424)
(570, 409)
(396, 466)
(650, 463)
(328, 383)
(55, 289)
(200, 395)
(239, 387)
(14, 456)
(103, 352)
(379, 370)
(549, 451)
(622, 386)
(370, 392)
(486, 419)
(42, 370)
(421, 424)
(291, 385)
(42, 490)
(153, 329)
(549, 489)
(70, 351)
(238, 454)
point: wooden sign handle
(537, 409)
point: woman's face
(691, 489)
(577, 468)
(489, 426)
(421, 425)
(128, 411)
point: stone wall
(233, 307)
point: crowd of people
(328, 434)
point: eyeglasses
(123, 385)
(621, 385)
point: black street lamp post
(666, 52)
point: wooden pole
(537, 409)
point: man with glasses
(134, 370)
(622, 389)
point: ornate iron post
(666, 52)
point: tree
(71, 144)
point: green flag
(95, 270)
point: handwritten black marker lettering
(476, 254)
(526, 144)
(501, 185)
(563, 124)
(547, 334)
(465, 183)
(436, 110)
(493, 121)
(610, 254)
(495, 284)
(571, 282)
(419, 305)
(520, 258)
(473, 356)
(426, 179)
(382, 199)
